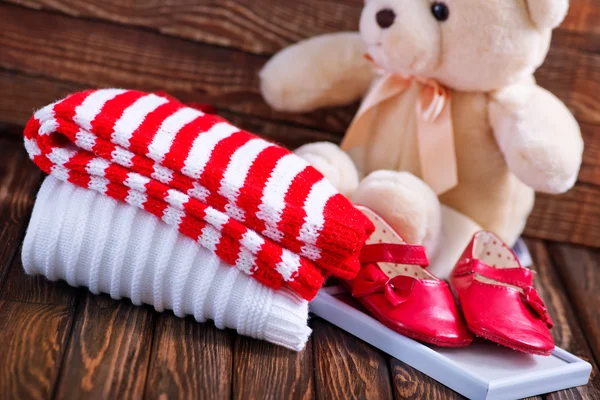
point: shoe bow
(534, 300)
(371, 280)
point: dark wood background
(58, 342)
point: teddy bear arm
(327, 70)
(539, 137)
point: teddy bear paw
(333, 163)
(407, 203)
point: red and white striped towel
(255, 204)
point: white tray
(482, 370)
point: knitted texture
(95, 241)
(255, 204)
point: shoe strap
(394, 253)
(521, 277)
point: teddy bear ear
(548, 13)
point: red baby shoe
(497, 297)
(393, 286)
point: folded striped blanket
(255, 204)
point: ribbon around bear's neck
(435, 136)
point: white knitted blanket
(92, 240)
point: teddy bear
(454, 135)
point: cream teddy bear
(502, 138)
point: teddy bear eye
(440, 11)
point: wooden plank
(263, 370)
(408, 383)
(100, 54)
(590, 168)
(33, 338)
(346, 367)
(567, 332)
(109, 351)
(19, 179)
(574, 77)
(583, 17)
(35, 318)
(20, 95)
(576, 39)
(264, 26)
(256, 26)
(575, 216)
(579, 269)
(189, 360)
(580, 29)
(35, 289)
(289, 136)
(571, 217)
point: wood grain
(263, 370)
(579, 269)
(263, 26)
(33, 338)
(255, 26)
(408, 383)
(99, 55)
(573, 76)
(581, 29)
(583, 17)
(568, 332)
(590, 168)
(189, 360)
(289, 136)
(19, 179)
(346, 367)
(571, 217)
(35, 289)
(21, 95)
(108, 351)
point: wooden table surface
(61, 342)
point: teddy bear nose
(385, 18)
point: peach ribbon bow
(435, 138)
